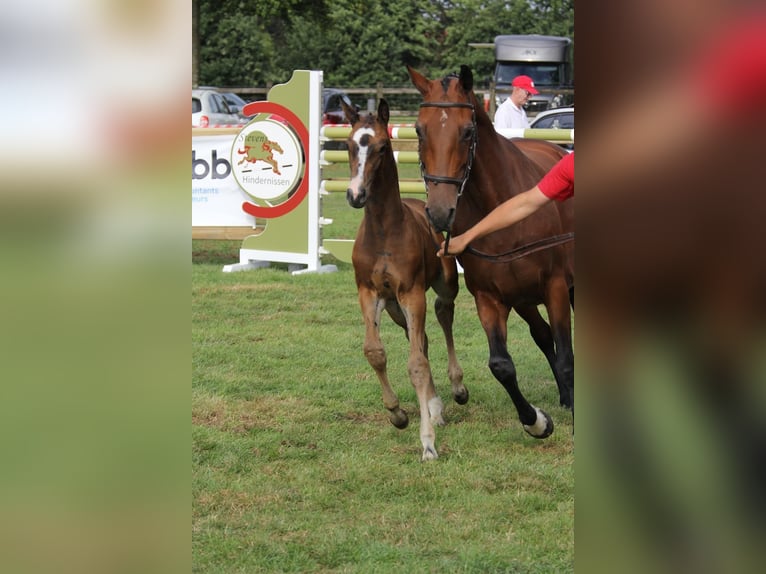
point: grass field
(295, 467)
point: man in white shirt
(511, 112)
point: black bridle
(459, 182)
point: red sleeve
(731, 74)
(558, 183)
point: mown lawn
(295, 467)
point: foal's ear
(383, 112)
(420, 81)
(351, 114)
(466, 78)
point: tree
(359, 42)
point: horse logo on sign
(258, 147)
(268, 160)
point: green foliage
(360, 43)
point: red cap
(526, 83)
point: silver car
(210, 109)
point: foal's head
(369, 145)
(447, 135)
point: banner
(216, 197)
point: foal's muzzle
(358, 199)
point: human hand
(456, 246)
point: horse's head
(368, 145)
(447, 134)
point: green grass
(295, 467)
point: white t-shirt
(510, 116)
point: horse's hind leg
(560, 316)
(543, 337)
(444, 307)
(494, 317)
(372, 307)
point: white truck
(545, 59)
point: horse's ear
(351, 114)
(383, 112)
(466, 78)
(420, 81)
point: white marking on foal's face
(362, 148)
(356, 181)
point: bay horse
(469, 169)
(395, 263)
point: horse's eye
(467, 134)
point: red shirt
(558, 183)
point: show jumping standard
(395, 263)
(468, 170)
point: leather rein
(460, 183)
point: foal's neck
(385, 203)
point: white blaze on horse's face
(361, 143)
(443, 119)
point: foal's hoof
(429, 453)
(398, 418)
(543, 426)
(461, 397)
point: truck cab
(545, 59)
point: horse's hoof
(398, 418)
(543, 427)
(461, 397)
(429, 453)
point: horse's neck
(503, 169)
(485, 190)
(384, 206)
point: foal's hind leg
(543, 337)
(372, 307)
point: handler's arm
(505, 214)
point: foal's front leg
(372, 307)
(413, 305)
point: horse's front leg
(494, 317)
(444, 307)
(413, 305)
(372, 307)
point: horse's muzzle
(441, 219)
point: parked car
(210, 108)
(557, 118)
(332, 113)
(235, 102)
